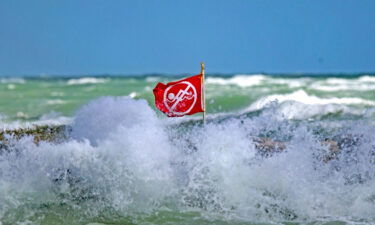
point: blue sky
(134, 37)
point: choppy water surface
(125, 163)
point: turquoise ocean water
(126, 163)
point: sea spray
(126, 170)
(100, 118)
(124, 163)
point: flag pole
(204, 93)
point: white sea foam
(367, 78)
(291, 82)
(123, 158)
(336, 81)
(240, 80)
(11, 86)
(259, 79)
(364, 83)
(112, 112)
(133, 94)
(153, 79)
(300, 105)
(22, 115)
(87, 80)
(55, 102)
(355, 87)
(50, 119)
(301, 111)
(119, 148)
(302, 97)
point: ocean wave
(49, 119)
(153, 79)
(123, 159)
(343, 87)
(300, 111)
(87, 80)
(301, 106)
(11, 86)
(302, 97)
(363, 83)
(367, 78)
(240, 80)
(12, 80)
(337, 81)
(291, 83)
(133, 94)
(55, 102)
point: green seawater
(32, 98)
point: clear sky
(171, 36)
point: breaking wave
(49, 119)
(240, 80)
(12, 80)
(121, 160)
(87, 80)
(362, 83)
(55, 102)
(300, 105)
(302, 97)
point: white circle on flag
(180, 93)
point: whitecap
(49, 119)
(55, 102)
(364, 83)
(367, 79)
(12, 80)
(292, 83)
(301, 111)
(133, 94)
(153, 79)
(303, 97)
(11, 86)
(240, 80)
(22, 115)
(343, 87)
(337, 81)
(86, 80)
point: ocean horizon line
(142, 75)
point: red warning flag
(180, 98)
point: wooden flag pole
(204, 93)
